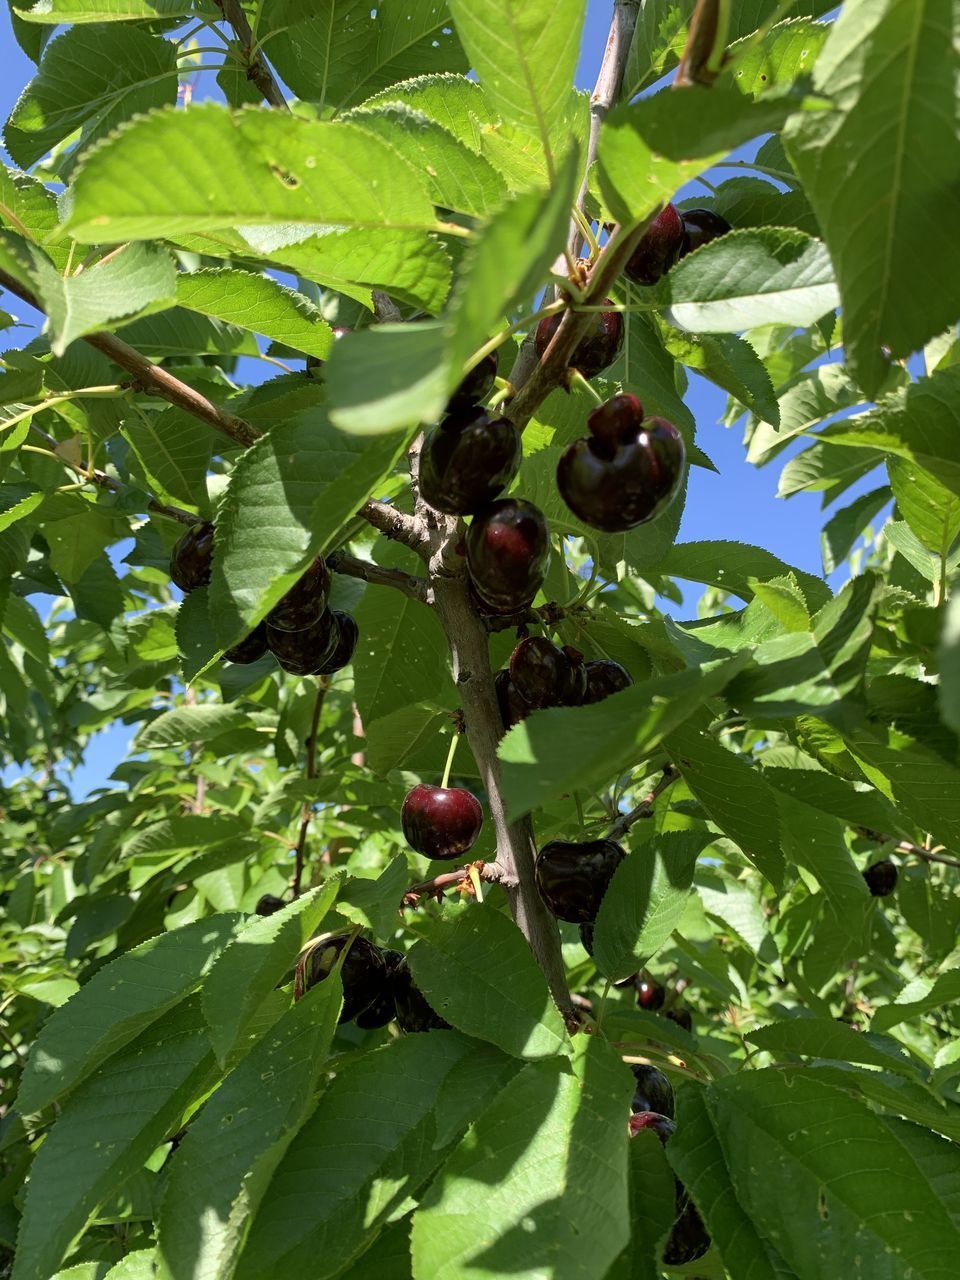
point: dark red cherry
(618, 490)
(268, 904)
(604, 677)
(688, 1239)
(681, 1017)
(304, 653)
(617, 421)
(545, 675)
(467, 460)
(304, 602)
(192, 558)
(364, 972)
(347, 636)
(599, 346)
(573, 876)
(586, 937)
(508, 550)
(654, 1091)
(650, 995)
(477, 385)
(383, 1009)
(659, 248)
(413, 1011)
(700, 226)
(661, 1125)
(513, 708)
(882, 878)
(251, 648)
(441, 822)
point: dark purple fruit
(192, 558)
(413, 1011)
(268, 904)
(364, 972)
(650, 995)
(467, 460)
(604, 677)
(617, 489)
(573, 876)
(661, 1125)
(681, 1017)
(508, 550)
(659, 248)
(251, 648)
(654, 1091)
(306, 600)
(347, 636)
(700, 226)
(617, 421)
(586, 937)
(599, 346)
(304, 653)
(688, 1239)
(882, 878)
(513, 708)
(383, 1009)
(441, 822)
(477, 385)
(545, 675)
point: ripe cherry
(659, 248)
(681, 1017)
(617, 421)
(477, 385)
(347, 636)
(615, 490)
(882, 878)
(650, 995)
(661, 1125)
(251, 648)
(547, 676)
(364, 971)
(605, 677)
(303, 653)
(414, 1013)
(688, 1239)
(383, 1009)
(508, 550)
(467, 460)
(573, 876)
(654, 1091)
(306, 600)
(192, 558)
(268, 904)
(700, 226)
(599, 346)
(441, 822)
(513, 708)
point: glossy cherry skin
(545, 675)
(192, 558)
(251, 648)
(596, 350)
(654, 1091)
(268, 904)
(348, 634)
(605, 677)
(513, 708)
(650, 995)
(617, 489)
(573, 876)
(477, 385)
(383, 1009)
(681, 1017)
(659, 248)
(467, 460)
(508, 551)
(617, 421)
(413, 1011)
(364, 972)
(303, 653)
(661, 1125)
(441, 822)
(306, 600)
(882, 878)
(700, 226)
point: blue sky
(738, 504)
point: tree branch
(908, 848)
(489, 872)
(258, 73)
(396, 525)
(646, 806)
(353, 567)
(306, 810)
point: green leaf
(477, 971)
(827, 1038)
(811, 398)
(184, 725)
(611, 737)
(258, 303)
(862, 806)
(645, 900)
(931, 511)
(926, 563)
(949, 663)
(79, 11)
(125, 71)
(730, 566)
(372, 902)
(106, 1132)
(844, 528)
(917, 998)
(887, 143)
(388, 377)
(551, 1157)
(249, 969)
(115, 1005)
(232, 1149)
(787, 53)
(268, 171)
(525, 55)
(653, 1200)
(174, 450)
(767, 275)
(733, 365)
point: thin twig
(396, 525)
(908, 848)
(258, 73)
(489, 872)
(353, 567)
(645, 808)
(306, 811)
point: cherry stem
(450, 754)
(306, 809)
(576, 379)
(645, 808)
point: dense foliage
(270, 1005)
